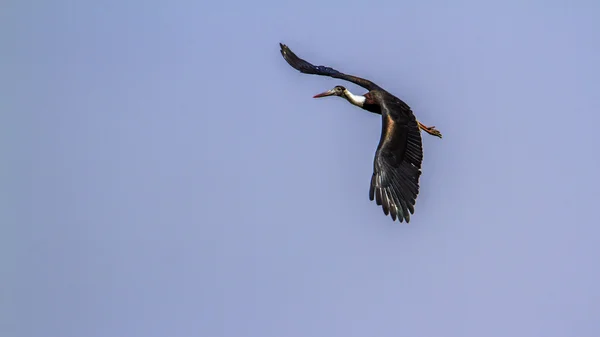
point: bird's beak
(325, 94)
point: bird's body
(397, 164)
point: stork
(399, 155)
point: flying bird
(397, 164)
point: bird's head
(338, 90)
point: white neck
(357, 100)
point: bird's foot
(433, 131)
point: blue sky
(168, 174)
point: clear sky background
(166, 173)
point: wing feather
(308, 68)
(397, 164)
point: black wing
(397, 165)
(307, 68)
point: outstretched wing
(397, 164)
(307, 68)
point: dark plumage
(397, 164)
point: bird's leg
(430, 130)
